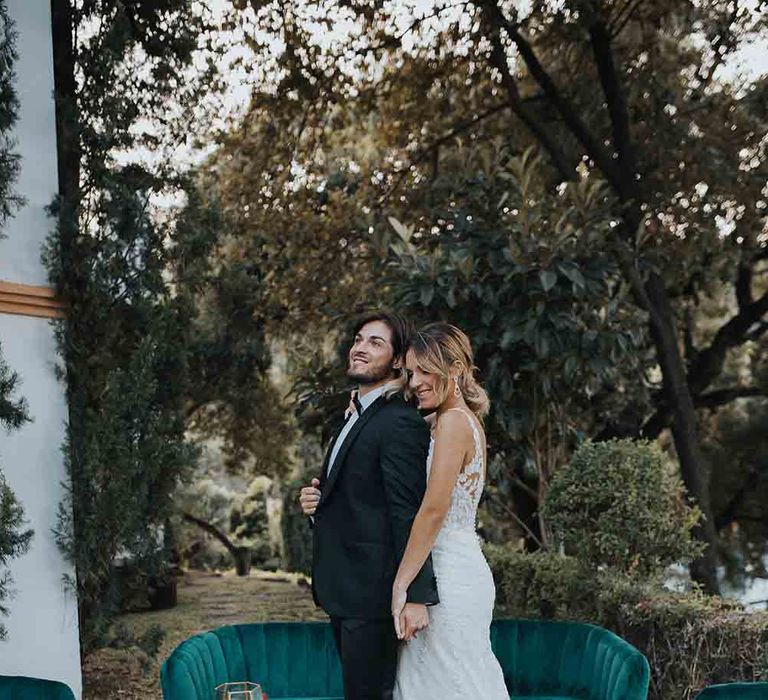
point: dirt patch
(205, 601)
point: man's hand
(310, 497)
(413, 619)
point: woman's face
(422, 384)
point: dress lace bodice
(462, 515)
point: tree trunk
(684, 426)
(240, 554)
(242, 557)
(67, 140)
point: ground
(205, 601)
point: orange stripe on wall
(30, 300)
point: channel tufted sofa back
(298, 660)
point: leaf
(426, 295)
(573, 274)
(548, 279)
(405, 232)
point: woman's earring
(456, 388)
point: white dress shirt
(365, 402)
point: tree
(540, 298)
(631, 90)
(9, 112)
(126, 343)
(14, 536)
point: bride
(451, 657)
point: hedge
(691, 640)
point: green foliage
(126, 450)
(620, 504)
(14, 541)
(249, 521)
(14, 537)
(691, 640)
(230, 396)
(9, 111)
(341, 135)
(125, 344)
(163, 348)
(737, 442)
(527, 273)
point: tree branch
(572, 120)
(709, 362)
(743, 285)
(711, 399)
(617, 107)
(498, 59)
(623, 16)
(762, 327)
(720, 397)
(212, 530)
(431, 149)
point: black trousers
(368, 651)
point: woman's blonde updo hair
(438, 348)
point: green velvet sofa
(25, 688)
(296, 660)
(735, 691)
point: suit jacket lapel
(327, 458)
(339, 462)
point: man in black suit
(362, 507)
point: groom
(371, 486)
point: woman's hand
(409, 618)
(399, 597)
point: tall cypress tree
(14, 536)
(125, 342)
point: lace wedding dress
(452, 658)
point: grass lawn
(205, 601)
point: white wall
(42, 625)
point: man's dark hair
(398, 325)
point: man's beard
(371, 377)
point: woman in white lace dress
(452, 657)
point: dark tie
(358, 405)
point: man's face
(371, 355)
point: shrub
(691, 640)
(619, 504)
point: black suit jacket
(366, 510)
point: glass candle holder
(244, 690)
